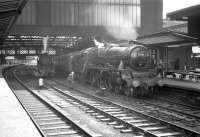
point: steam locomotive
(123, 69)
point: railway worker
(115, 81)
(105, 79)
(160, 70)
(71, 77)
(40, 82)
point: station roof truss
(9, 11)
(168, 39)
(185, 13)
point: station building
(178, 42)
(192, 16)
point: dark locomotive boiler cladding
(123, 69)
(128, 69)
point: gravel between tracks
(127, 101)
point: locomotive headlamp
(136, 83)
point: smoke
(124, 27)
(45, 42)
(123, 33)
(98, 44)
(118, 20)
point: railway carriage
(46, 65)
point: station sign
(31, 57)
(10, 57)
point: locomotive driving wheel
(117, 89)
(136, 91)
(144, 90)
(104, 84)
(94, 78)
(128, 92)
(104, 80)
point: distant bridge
(33, 45)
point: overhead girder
(9, 11)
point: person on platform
(71, 77)
(177, 64)
(160, 70)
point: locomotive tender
(126, 69)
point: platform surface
(180, 84)
(14, 121)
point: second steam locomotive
(123, 69)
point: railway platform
(14, 120)
(188, 85)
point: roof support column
(166, 58)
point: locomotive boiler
(123, 69)
(136, 57)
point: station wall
(118, 19)
(179, 53)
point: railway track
(190, 108)
(49, 119)
(190, 111)
(180, 96)
(123, 118)
(186, 116)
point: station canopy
(9, 11)
(168, 39)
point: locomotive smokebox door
(41, 82)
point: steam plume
(45, 42)
(123, 29)
(119, 20)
